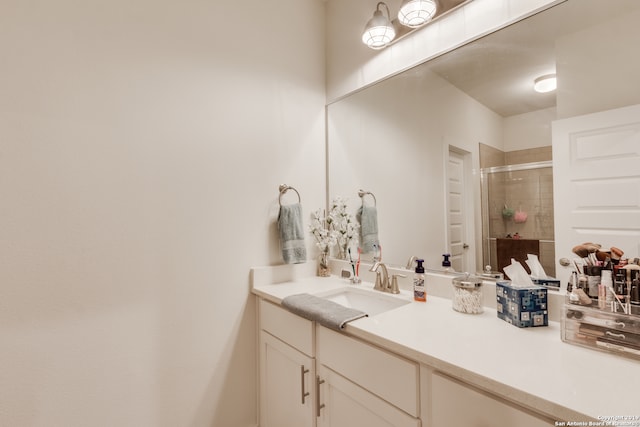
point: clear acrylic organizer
(602, 329)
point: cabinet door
(390, 377)
(287, 379)
(344, 404)
(454, 404)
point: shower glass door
(517, 201)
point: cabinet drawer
(616, 333)
(292, 329)
(455, 404)
(384, 374)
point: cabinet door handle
(614, 323)
(318, 405)
(611, 334)
(303, 371)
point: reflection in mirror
(398, 150)
(419, 140)
(517, 213)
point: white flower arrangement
(338, 228)
(320, 229)
(344, 224)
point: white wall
(141, 146)
(528, 130)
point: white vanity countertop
(530, 366)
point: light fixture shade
(379, 30)
(546, 83)
(414, 13)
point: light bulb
(414, 13)
(379, 31)
(546, 83)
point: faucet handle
(394, 283)
(379, 286)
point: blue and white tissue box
(549, 282)
(523, 307)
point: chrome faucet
(383, 282)
(410, 263)
(382, 278)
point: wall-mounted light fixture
(415, 13)
(382, 30)
(546, 83)
(379, 31)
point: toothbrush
(353, 267)
(358, 263)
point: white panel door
(457, 212)
(596, 170)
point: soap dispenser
(446, 263)
(419, 289)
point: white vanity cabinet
(453, 403)
(363, 386)
(356, 384)
(314, 376)
(287, 368)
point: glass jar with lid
(467, 294)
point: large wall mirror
(457, 151)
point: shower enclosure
(517, 203)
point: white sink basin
(369, 301)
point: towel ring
(363, 193)
(283, 188)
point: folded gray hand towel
(368, 218)
(327, 313)
(292, 234)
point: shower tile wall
(529, 191)
(491, 157)
(531, 155)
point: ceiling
(498, 70)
